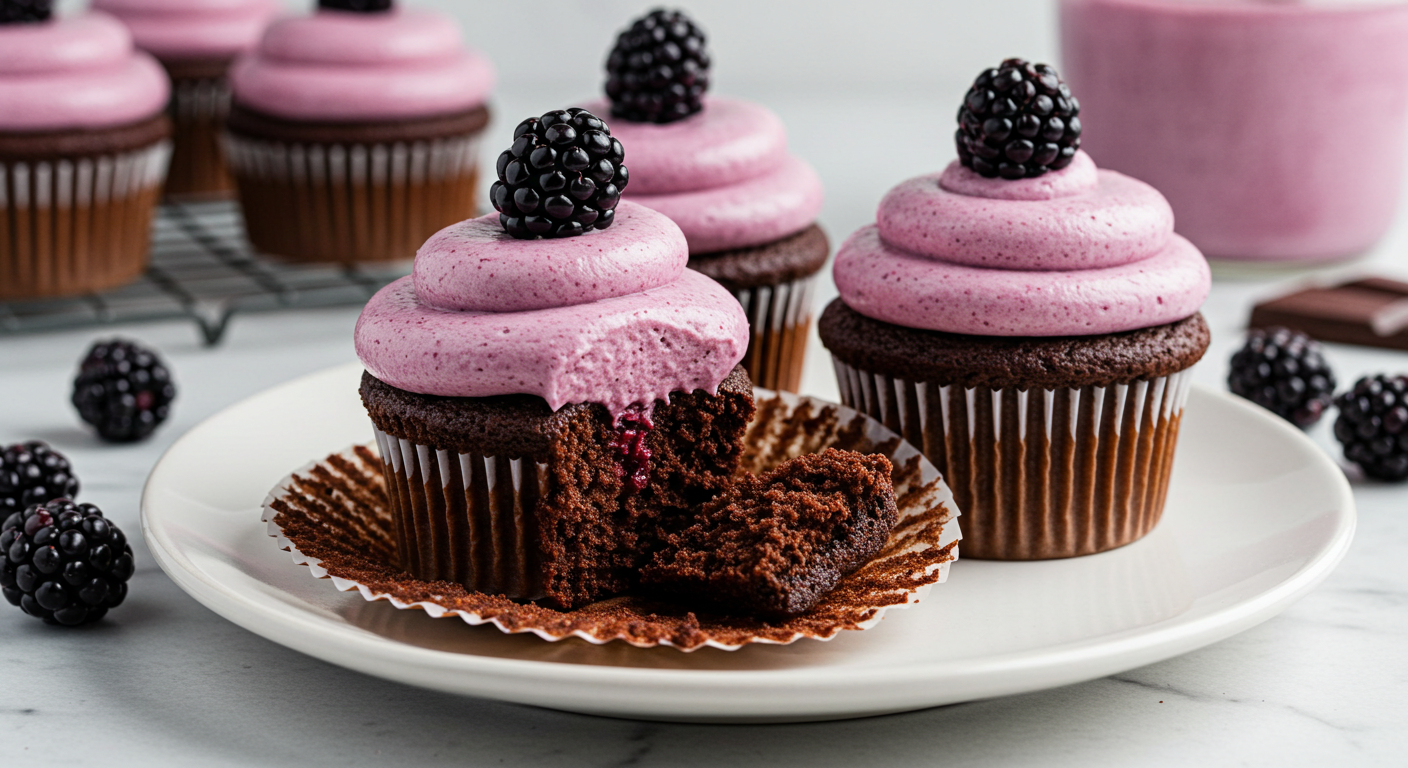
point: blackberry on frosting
(659, 69)
(357, 6)
(562, 176)
(1019, 120)
(25, 11)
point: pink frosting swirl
(724, 175)
(341, 66)
(1083, 252)
(77, 72)
(193, 29)
(624, 324)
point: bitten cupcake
(1028, 320)
(354, 132)
(720, 168)
(547, 408)
(195, 40)
(83, 149)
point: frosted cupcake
(721, 170)
(548, 408)
(195, 40)
(1028, 320)
(354, 132)
(83, 149)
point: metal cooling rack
(203, 270)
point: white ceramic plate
(1256, 517)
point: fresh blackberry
(659, 69)
(25, 11)
(123, 389)
(63, 562)
(33, 473)
(1284, 372)
(1017, 121)
(1373, 426)
(360, 6)
(563, 176)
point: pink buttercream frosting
(648, 328)
(1085, 252)
(724, 175)
(193, 29)
(76, 72)
(341, 66)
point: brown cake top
(1023, 362)
(772, 545)
(779, 261)
(253, 124)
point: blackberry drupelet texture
(25, 11)
(1018, 121)
(33, 473)
(1373, 426)
(123, 390)
(1284, 372)
(359, 6)
(63, 562)
(563, 176)
(659, 70)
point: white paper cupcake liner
(1039, 473)
(779, 317)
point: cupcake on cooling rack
(195, 40)
(83, 149)
(720, 168)
(354, 132)
(552, 389)
(1028, 320)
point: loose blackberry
(123, 389)
(33, 473)
(63, 562)
(659, 69)
(1373, 426)
(25, 11)
(1284, 372)
(361, 6)
(1017, 121)
(563, 176)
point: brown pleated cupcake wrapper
(351, 203)
(465, 517)
(779, 317)
(198, 110)
(77, 225)
(1041, 473)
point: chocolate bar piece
(1372, 312)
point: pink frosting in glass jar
(177, 30)
(343, 67)
(76, 72)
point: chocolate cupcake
(196, 41)
(549, 408)
(354, 132)
(83, 149)
(721, 170)
(1029, 321)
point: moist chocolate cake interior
(772, 545)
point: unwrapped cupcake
(720, 168)
(1028, 320)
(354, 132)
(196, 41)
(83, 150)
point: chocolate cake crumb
(772, 545)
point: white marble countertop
(163, 680)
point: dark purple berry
(25, 11)
(123, 390)
(659, 70)
(1284, 372)
(562, 176)
(33, 473)
(54, 571)
(1018, 121)
(1373, 426)
(358, 6)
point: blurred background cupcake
(83, 150)
(721, 170)
(196, 41)
(354, 132)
